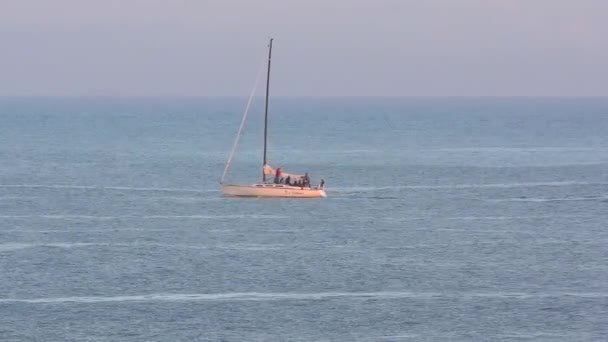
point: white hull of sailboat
(272, 190)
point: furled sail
(268, 170)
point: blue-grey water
(448, 219)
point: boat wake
(466, 186)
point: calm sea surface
(473, 219)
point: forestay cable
(238, 134)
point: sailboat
(275, 183)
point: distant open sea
(448, 219)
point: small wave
(145, 217)
(399, 337)
(258, 296)
(240, 216)
(74, 230)
(536, 335)
(518, 149)
(331, 152)
(184, 200)
(459, 218)
(381, 197)
(13, 246)
(16, 197)
(245, 296)
(556, 199)
(62, 217)
(91, 187)
(507, 218)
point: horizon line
(294, 96)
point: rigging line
(238, 135)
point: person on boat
(306, 179)
(277, 176)
(322, 183)
(288, 180)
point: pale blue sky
(323, 47)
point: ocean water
(448, 219)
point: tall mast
(266, 111)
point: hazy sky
(322, 47)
